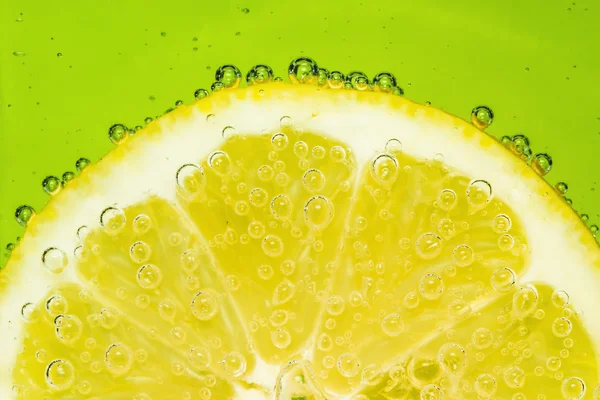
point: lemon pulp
(307, 261)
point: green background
(536, 63)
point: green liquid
(69, 72)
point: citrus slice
(291, 242)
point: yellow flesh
(386, 281)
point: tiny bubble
(163, 34)
(245, 10)
(59, 55)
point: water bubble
(525, 301)
(272, 245)
(482, 338)
(411, 300)
(313, 180)
(205, 305)
(279, 141)
(393, 147)
(348, 364)
(506, 242)
(258, 197)
(234, 364)
(149, 276)
(200, 94)
(23, 214)
(501, 223)
(167, 310)
(428, 246)
(228, 132)
(300, 149)
(432, 392)
(200, 357)
(287, 267)
(140, 252)
(229, 75)
(384, 169)
(336, 80)
(573, 388)
(303, 70)
(217, 86)
(453, 359)
(67, 177)
(479, 193)
(68, 328)
(281, 206)
(447, 200)
(283, 292)
(561, 188)
(358, 80)
(265, 272)
(486, 386)
(520, 146)
(220, 163)
(541, 163)
(318, 212)
(60, 374)
(318, 152)
(482, 117)
(337, 153)
(108, 318)
(431, 286)
(54, 260)
(553, 363)
(259, 74)
(560, 298)
(392, 325)
(51, 185)
(278, 318)
(561, 327)
(118, 133)
(281, 338)
(118, 359)
(446, 228)
(113, 220)
(384, 82)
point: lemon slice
(290, 242)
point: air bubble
(303, 70)
(318, 212)
(205, 305)
(142, 224)
(118, 133)
(313, 180)
(428, 246)
(358, 80)
(200, 94)
(23, 214)
(229, 75)
(392, 325)
(541, 163)
(30, 313)
(56, 305)
(140, 252)
(525, 301)
(228, 132)
(279, 141)
(118, 359)
(281, 338)
(283, 292)
(431, 286)
(281, 207)
(220, 163)
(503, 279)
(573, 388)
(479, 193)
(453, 359)
(336, 80)
(60, 375)
(501, 223)
(393, 147)
(234, 364)
(482, 338)
(55, 260)
(265, 173)
(482, 117)
(51, 185)
(348, 364)
(265, 272)
(318, 152)
(384, 169)
(514, 377)
(561, 188)
(560, 298)
(68, 328)
(259, 74)
(384, 82)
(113, 220)
(463, 255)
(149, 276)
(335, 305)
(432, 392)
(200, 358)
(272, 246)
(561, 327)
(258, 197)
(287, 267)
(301, 149)
(485, 386)
(256, 229)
